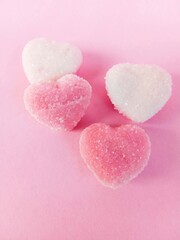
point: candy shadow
(94, 69)
(164, 159)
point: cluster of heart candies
(58, 98)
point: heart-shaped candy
(59, 104)
(115, 155)
(138, 91)
(45, 60)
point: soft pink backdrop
(46, 191)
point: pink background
(46, 191)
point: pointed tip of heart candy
(115, 155)
(59, 104)
(138, 91)
(44, 60)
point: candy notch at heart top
(138, 91)
(115, 155)
(59, 104)
(45, 60)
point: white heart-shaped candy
(45, 60)
(138, 91)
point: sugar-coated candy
(45, 60)
(59, 104)
(115, 155)
(138, 91)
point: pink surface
(46, 191)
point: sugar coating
(115, 155)
(61, 104)
(44, 60)
(138, 91)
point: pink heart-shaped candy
(115, 155)
(59, 104)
